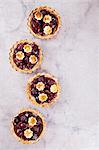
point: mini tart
(25, 56)
(28, 126)
(44, 22)
(43, 89)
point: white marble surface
(72, 56)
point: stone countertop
(72, 56)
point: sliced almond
(47, 18)
(27, 48)
(53, 88)
(28, 133)
(40, 86)
(38, 15)
(47, 30)
(33, 59)
(32, 121)
(20, 55)
(43, 97)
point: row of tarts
(43, 89)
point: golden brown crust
(32, 99)
(44, 126)
(50, 10)
(15, 66)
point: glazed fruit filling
(28, 126)
(44, 22)
(26, 55)
(44, 89)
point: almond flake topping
(32, 121)
(53, 88)
(47, 19)
(28, 133)
(33, 59)
(27, 48)
(38, 15)
(40, 86)
(20, 55)
(43, 97)
(47, 30)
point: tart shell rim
(13, 63)
(50, 9)
(32, 98)
(35, 111)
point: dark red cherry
(20, 46)
(23, 118)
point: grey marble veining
(72, 56)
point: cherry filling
(21, 124)
(38, 25)
(48, 82)
(25, 63)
